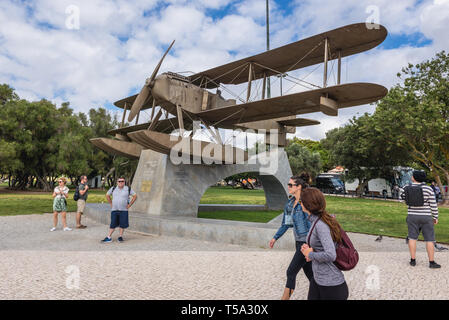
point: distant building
(338, 170)
(95, 182)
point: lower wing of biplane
(326, 100)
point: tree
(7, 94)
(8, 160)
(100, 162)
(315, 146)
(302, 160)
(415, 115)
(39, 142)
(361, 150)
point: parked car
(328, 183)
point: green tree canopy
(361, 150)
(7, 94)
(414, 116)
(315, 146)
(39, 142)
(303, 160)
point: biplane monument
(178, 102)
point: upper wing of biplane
(327, 100)
(342, 42)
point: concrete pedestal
(165, 189)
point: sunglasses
(60, 181)
(291, 185)
(121, 181)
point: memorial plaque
(146, 186)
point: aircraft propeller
(146, 90)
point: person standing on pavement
(328, 281)
(83, 188)
(120, 205)
(422, 217)
(294, 217)
(60, 194)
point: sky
(95, 52)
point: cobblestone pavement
(39, 264)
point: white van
(380, 187)
(377, 187)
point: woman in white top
(60, 195)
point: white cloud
(434, 20)
(253, 8)
(120, 42)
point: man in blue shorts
(120, 204)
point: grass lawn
(355, 215)
(228, 195)
(39, 202)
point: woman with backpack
(328, 281)
(295, 218)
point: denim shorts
(119, 219)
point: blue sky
(119, 42)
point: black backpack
(414, 196)
(76, 196)
(129, 191)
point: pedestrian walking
(436, 190)
(295, 218)
(422, 216)
(60, 194)
(328, 281)
(82, 190)
(120, 205)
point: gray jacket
(323, 256)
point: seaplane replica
(182, 100)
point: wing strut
(155, 121)
(214, 134)
(250, 80)
(180, 120)
(326, 59)
(124, 114)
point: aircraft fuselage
(171, 90)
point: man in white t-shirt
(120, 205)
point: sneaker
(81, 227)
(106, 240)
(412, 262)
(434, 265)
(67, 229)
(53, 229)
(120, 239)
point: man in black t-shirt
(81, 203)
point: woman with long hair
(328, 281)
(294, 217)
(60, 195)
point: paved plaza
(39, 264)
